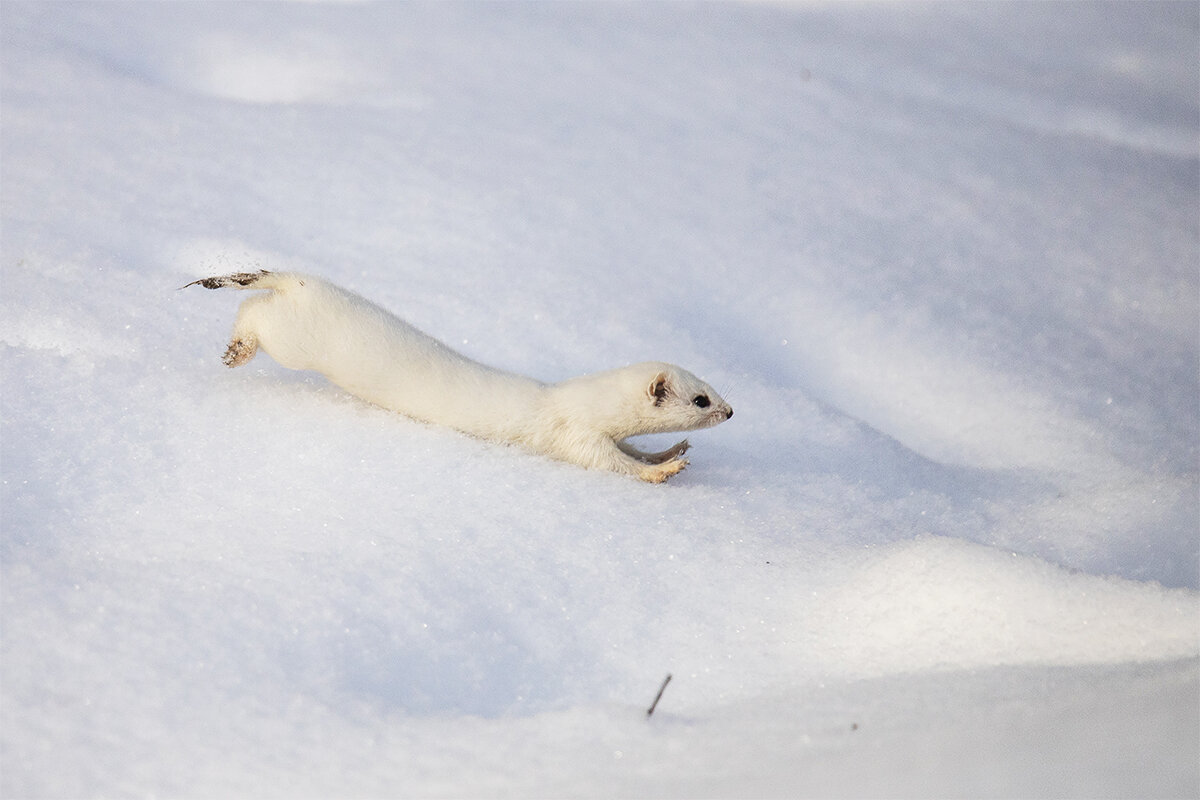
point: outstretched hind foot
(239, 352)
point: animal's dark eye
(701, 400)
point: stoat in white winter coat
(304, 322)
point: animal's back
(307, 323)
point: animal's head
(681, 401)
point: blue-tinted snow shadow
(478, 663)
(788, 437)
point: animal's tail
(241, 280)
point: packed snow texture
(944, 261)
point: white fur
(309, 324)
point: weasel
(307, 323)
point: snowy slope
(943, 260)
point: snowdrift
(944, 262)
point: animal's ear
(658, 388)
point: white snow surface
(943, 260)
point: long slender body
(307, 323)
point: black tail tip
(236, 279)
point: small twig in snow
(658, 696)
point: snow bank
(935, 603)
(942, 261)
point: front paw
(658, 473)
(678, 450)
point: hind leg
(243, 343)
(240, 350)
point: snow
(943, 260)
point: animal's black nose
(729, 413)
